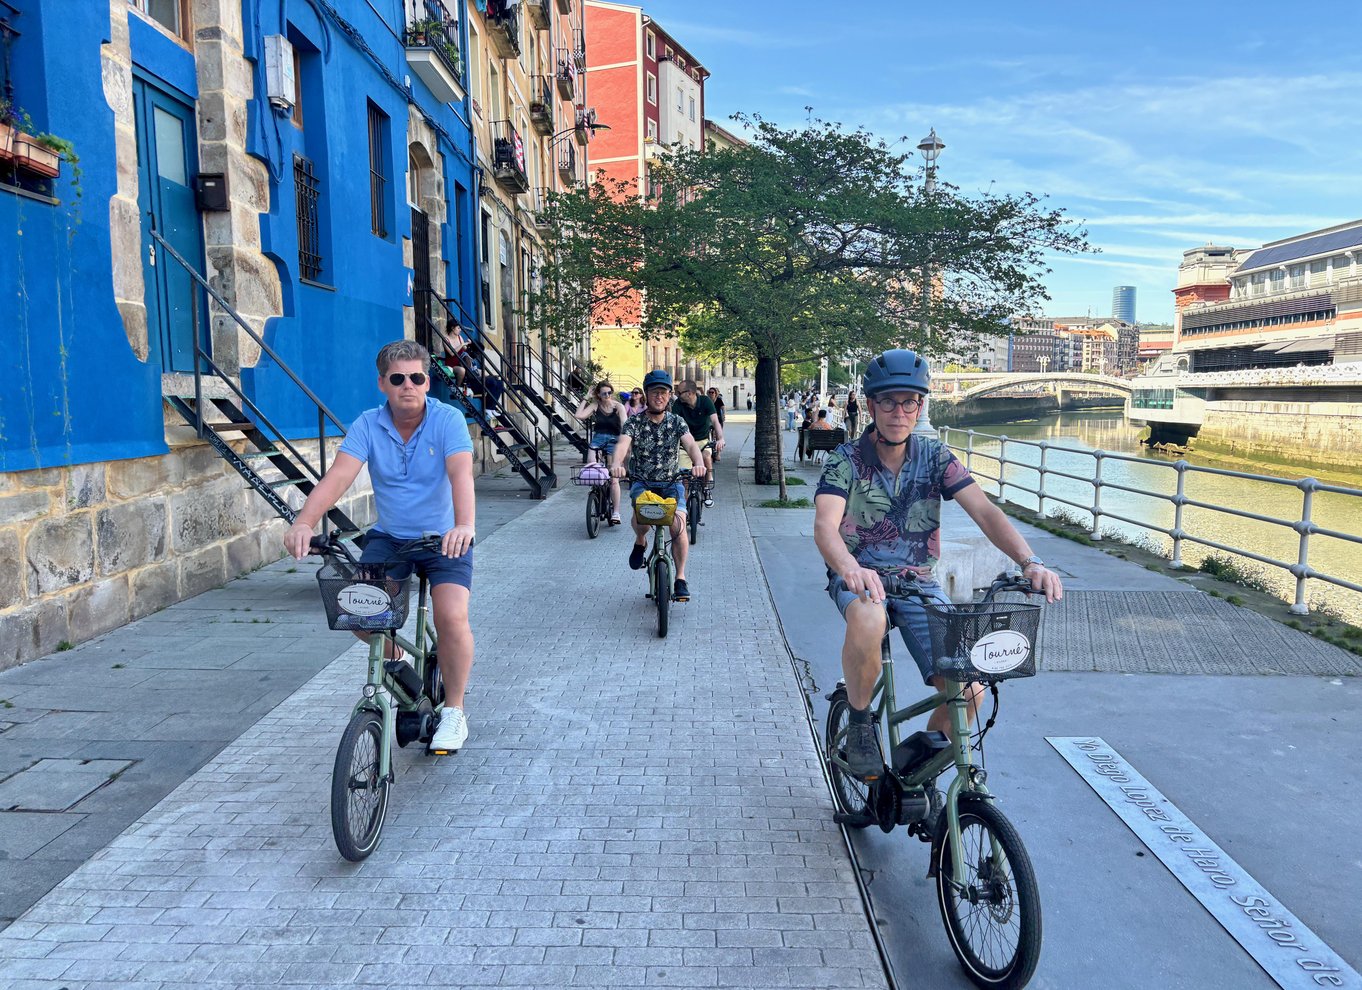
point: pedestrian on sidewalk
(791, 412)
(718, 401)
(420, 460)
(853, 413)
(877, 511)
(606, 417)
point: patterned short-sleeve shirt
(893, 524)
(652, 455)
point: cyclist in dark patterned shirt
(649, 442)
(877, 511)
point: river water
(1070, 436)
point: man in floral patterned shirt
(649, 442)
(878, 512)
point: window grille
(308, 191)
(378, 180)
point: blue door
(167, 161)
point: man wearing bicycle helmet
(649, 443)
(877, 511)
(420, 460)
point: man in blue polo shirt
(420, 459)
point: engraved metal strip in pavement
(1289, 952)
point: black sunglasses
(397, 378)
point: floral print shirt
(893, 524)
(653, 452)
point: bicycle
(596, 478)
(399, 698)
(981, 867)
(658, 563)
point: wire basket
(984, 641)
(591, 475)
(363, 597)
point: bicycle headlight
(979, 775)
(370, 690)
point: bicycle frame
(381, 690)
(662, 547)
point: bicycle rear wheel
(693, 503)
(994, 921)
(851, 794)
(359, 791)
(593, 512)
(662, 593)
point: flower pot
(34, 157)
(6, 142)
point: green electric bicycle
(986, 888)
(659, 563)
(400, 698)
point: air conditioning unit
(280, 84)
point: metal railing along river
(1030, 471)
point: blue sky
(1162, 125)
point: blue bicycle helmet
(896, 369)
(655, 378)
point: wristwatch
(1033, 559)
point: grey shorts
(906, 614)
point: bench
(814, 441)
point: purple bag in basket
(594, 474)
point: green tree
(802, 244)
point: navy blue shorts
(380, 548)
(906, 614)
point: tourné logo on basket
(1000, 651)
(363, 599)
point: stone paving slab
(628, 812)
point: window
(297, 117)
(488, 315)
(692, 108)
(308, 192)
(475, 68)
(652, 130)
(378, 171)
(652, 45)
(680, 99)
(170, 14)
(669, 51)
(652, 89)
(494, 91)
(1297, 276)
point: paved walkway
(628, 812)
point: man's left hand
(1046, 581)
(698, 469)
(457, 541)
(719, 445)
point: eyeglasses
(606, 391)
(397, 378)
(686, 393)
(889, 405)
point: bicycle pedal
(431, 751)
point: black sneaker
(636, 557)
(863, 751)
(680, 592)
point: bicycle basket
(364, 597)
(591, 475)
(984, 641)
(651, 509)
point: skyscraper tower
(1123, 303)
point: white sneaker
(452, 732)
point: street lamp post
(931, 147)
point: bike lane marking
(1289, 952)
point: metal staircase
(512, 427)
(547, 388)
(221, 412)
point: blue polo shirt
(411, 485)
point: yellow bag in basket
(651, 509)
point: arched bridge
(991, 384)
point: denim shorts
(906, 614)
(381, 548)
(675, 490)
(607, 443)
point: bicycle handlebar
(332, 546)
(898, 586)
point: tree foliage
(804, 243)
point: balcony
(566, 76)
(432, 43)
(585, 123)
(564, 7)
(541, 207)
(508, 158)
(503, 24)
(539, 13)
(541, 105)
(567, 164)
(579, 48)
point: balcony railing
(503, 22)
(541, 207)
(585, 123)
(579, 48)
(541, 104)
(565, 7)
(567, 163)
(539, 13)
(508, 157)
(566, 75)
(432, 42)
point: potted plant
(42, 153)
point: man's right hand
(297, 540)
(619, 471)
(863, 582)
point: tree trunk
(768, 421)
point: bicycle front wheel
(992, 913)
(593, 512)
(359, 791)
(662, 594)
(693, 517)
